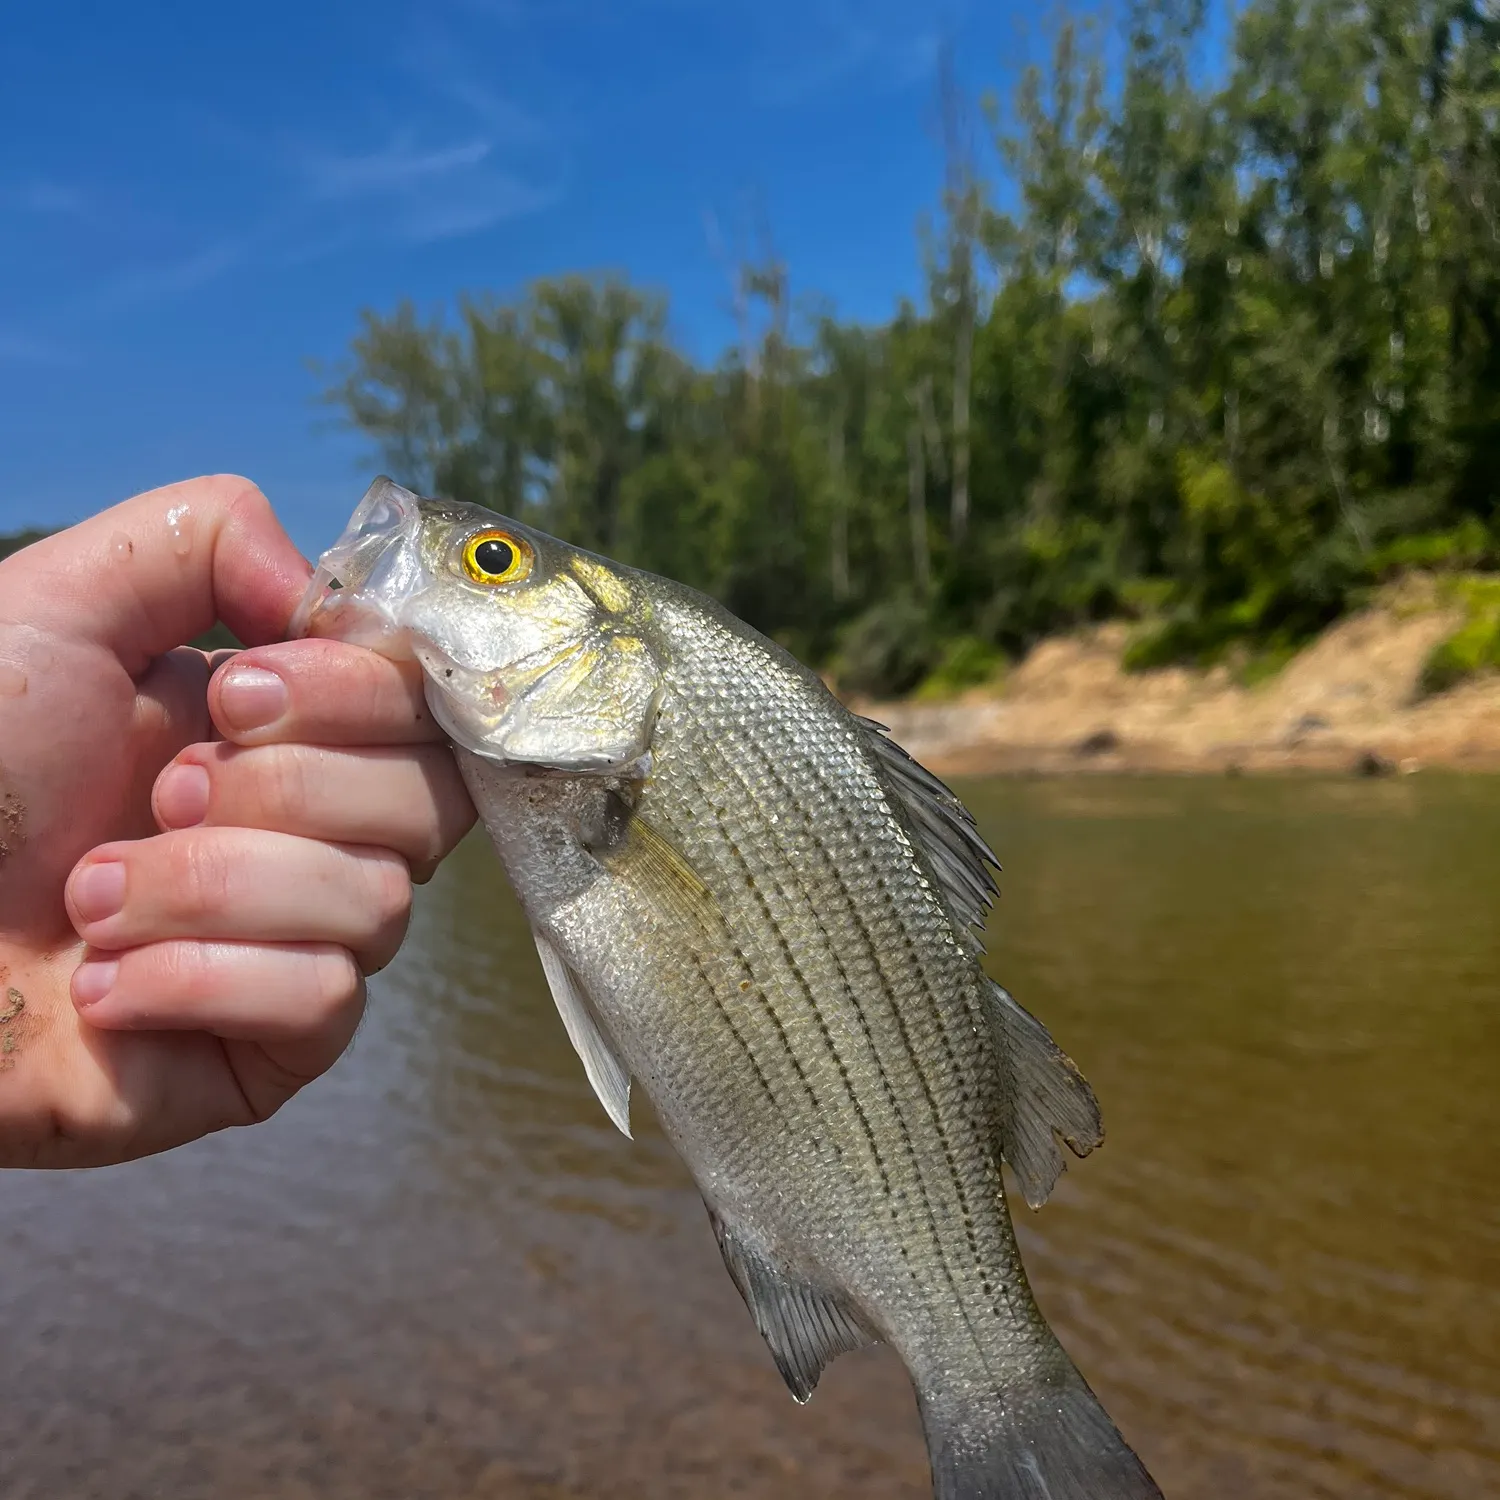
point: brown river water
(442, 1273)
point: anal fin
(804, 1327)
(1047, 1098)
(606, 1073)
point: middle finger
(409, 799)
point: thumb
(154, 572)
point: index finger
(155, 571)
(320, 692)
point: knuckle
(337, 982)
(364, 683)
(200, 873)
(390, 887)
(235, 492)
(284, 784)
(214, 497)
(178, 968)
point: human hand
(231, 969)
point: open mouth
(322, 587)
(380, 520)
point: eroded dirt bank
(1349, 702)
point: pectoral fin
(647, 858)
(605, 1071)
(804, 1327)
(1046, 1097)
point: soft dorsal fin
(962, 861)
(1046, 1098)
(605, 1071)
(803, 1327)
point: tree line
(1217, 349)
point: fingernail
(99, 890)
(251, 697)
(182, 796)
(94, 980)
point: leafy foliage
(1233, 357)
(1475, 645)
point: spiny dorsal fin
(605, 1071)
(803, 1327)
(1046, 1097)
(960, 858)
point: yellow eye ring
(496, 557)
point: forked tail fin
(1047, 1443)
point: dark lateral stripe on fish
(891, 992)
(853, 993)
(758, 991)
(833, 1051)
(935, 1010)
(739, 1036)
(914, 1056)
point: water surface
(442, 1273)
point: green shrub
(1464, 546)
(1474, 646)
(1166, 643)
(887, 650)
(967, 661)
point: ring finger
(242, 884)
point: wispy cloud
(502, 198)
(446, 70)
(419, 194)
(173, 277)
(396, 169)
(442, 155)
(887, 45)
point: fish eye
(495, 557)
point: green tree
(1229, 355)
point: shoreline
(1348, 704)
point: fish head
(534, 651)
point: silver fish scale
(849, 1067)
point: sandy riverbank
(1349, 703)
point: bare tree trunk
(916, 478)
(961, 195)
(839, 559)
(737, 271)
(748, 354)
(932, 434)
(963, 357)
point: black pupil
(494, 556)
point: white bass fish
(753, 904)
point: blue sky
(197, 200)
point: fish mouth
(320, 589)
(349, 596)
